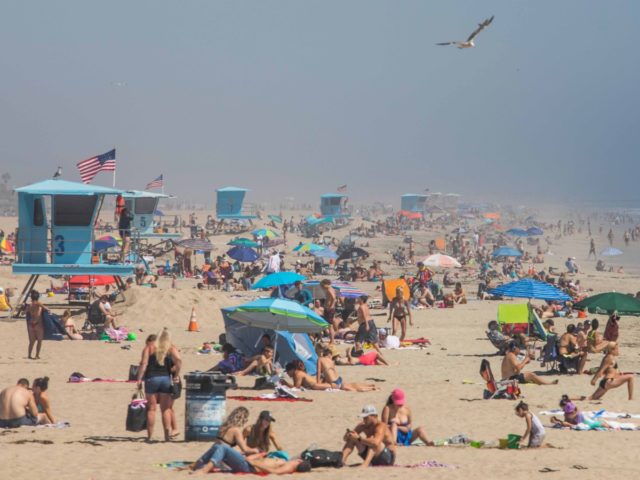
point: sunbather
(572, 416)
(298, 373)
(512, 368)
(326, 372)
(397, 415)
(356, 355)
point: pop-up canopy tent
(519, 318)
(288, 346)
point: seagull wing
(445, 43)
(481, 26)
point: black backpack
(322, 458)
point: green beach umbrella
(607, 303)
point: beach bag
(322, 458)
(176, 389)
(137, 413)
(133, 373)
(264, 383)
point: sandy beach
(442, 383)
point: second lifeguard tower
(230, 205)
(334, 206)
(413, 203)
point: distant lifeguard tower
(143, 207)
(56, 220)
(334, 205)
(230, 205)
(414, 203)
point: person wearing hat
(261, 435)
(5, 306)
(397, 415)
(372, 438)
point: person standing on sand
(592, 249)
(329, 306)
(610, 236)
(35, 323)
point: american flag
(157, 183)
(90, 167)
(342, 188)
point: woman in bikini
(399, 310)
(40, 387)
(229, 434)
(35, 323)
(356, 355)
(612, 376)
(397, 415)
(298, 373)
(70, 326)
(327, 372)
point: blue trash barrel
(205, 404)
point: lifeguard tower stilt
(56, 220)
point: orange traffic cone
(193, 323)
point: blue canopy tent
(527, 288)
(506, 252)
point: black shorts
(125, 233)
(519, 377)
(385, 458)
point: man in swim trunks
(330, 307)
(18, 406)
(512, 368)
(373, 440)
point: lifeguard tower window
(38, 213)
(335, 201)
(73, 210)
(145, 206)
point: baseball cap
(398, 396)
(266, 415)
(368, 410)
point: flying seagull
(58, 173)
(468, 43)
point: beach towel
(599, 413)
(73, 379)
(173, 465)
(424, 464)
(61, 424)
(270, 397)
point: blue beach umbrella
(533, 231)
(506, 252)
(278, 314)
(278, 279)
(527, 288)
(243, 242)
(308, 247)
(517, 232)
(243, 254)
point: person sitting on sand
(70, 326)
(423, 296)
(107, 314)
(512, 368)
(261, 364)
(397, 415)
(232, 360)
(326, 372)
(18, 406)
(569, 350)
(40, 387)
(372, 439)
(458, 294)
(301, 379)
(5, 304)
(534, 432)
(230, 435)
(595, 341)
(356, 355)
(261, 435)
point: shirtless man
(35, 323)
(260, 363)
(512, 369)
(373, 440)
(568, 348)
(399, 310)
(18, 406)
(327, 372)
(330, 307)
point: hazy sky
(295, 97)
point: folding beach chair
(550, 353)
(507, 389)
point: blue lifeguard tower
(230, 205)
(413, 202)
(334, 205)
(56, 220)
(143, 207)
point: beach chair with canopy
(520, 318)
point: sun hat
(368, 410)
(398, 397)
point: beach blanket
(595, 421)
(269, 397)
(98, 380)
(425, 464)
(55, 425)
(599, 413)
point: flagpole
(162, 184)
(114, 170)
